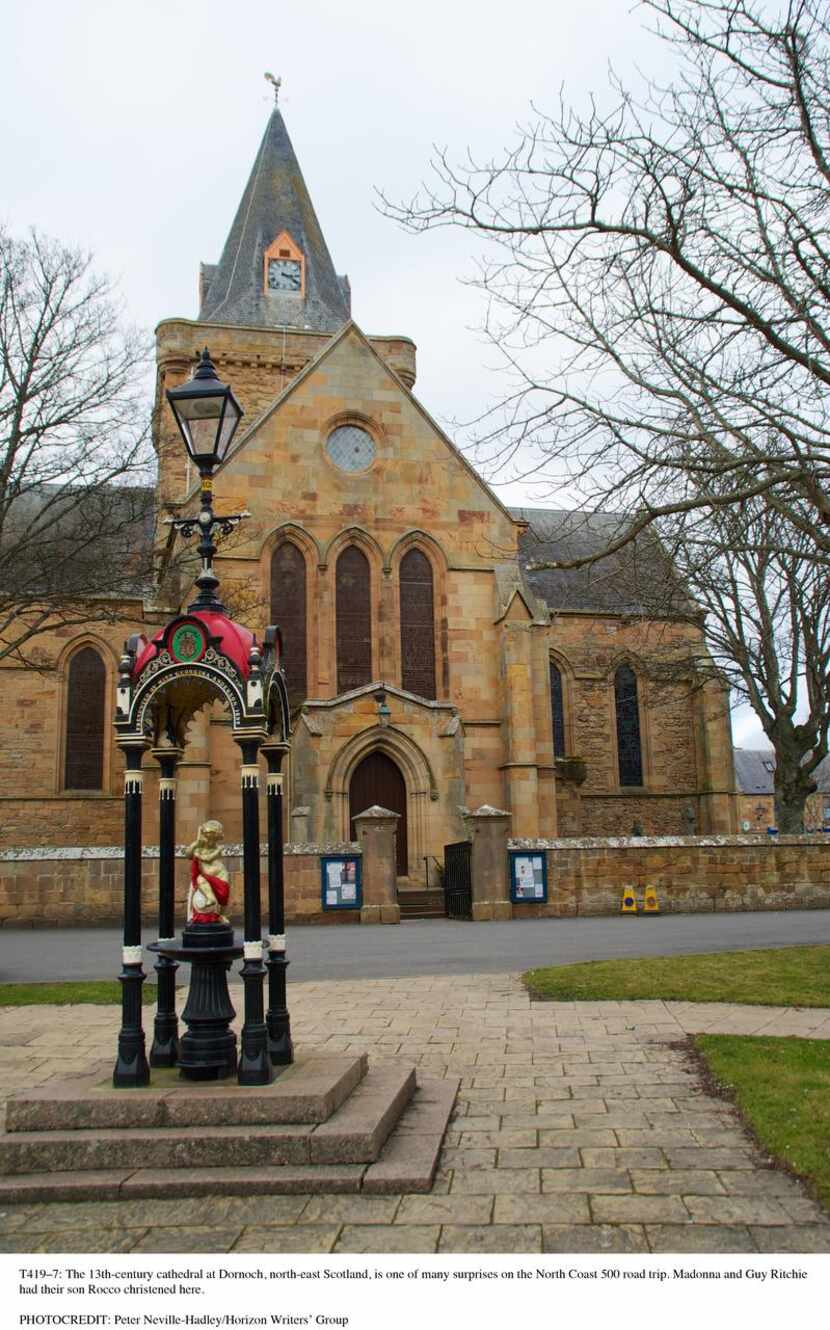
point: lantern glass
(207, 414)
(227, 428)
(198, 419)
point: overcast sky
(130, 130)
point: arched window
(557, 709)
(288, 609)
(85, 707)
(629, 747)
(353, 610)
(417, 625)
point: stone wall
(82, 887)
(79, 887)
(690, 874)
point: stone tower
(266, 309)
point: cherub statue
(209, 881)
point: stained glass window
(288, 609)
(354, 620)
(85, 705)
(557, 708)
(417, 625)
(629, 747)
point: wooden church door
(377, 780)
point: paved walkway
(580, 1127)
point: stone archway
(377, 779)
(419, 782)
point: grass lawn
(782, 1087)
(101, 993)
(786, 977)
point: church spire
(275, 269)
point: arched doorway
(377, 780)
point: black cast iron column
(254, 1062)
(280, 1047)
(131, 1067)
(165, 1049)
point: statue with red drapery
(209, 880)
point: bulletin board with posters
(528, 877)
(340, 881)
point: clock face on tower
(284, 275)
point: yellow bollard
(629, 901)
(650, 903)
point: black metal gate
(458, 886)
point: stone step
(160, 1184)
(354, 1134)
(421, 904)
(307, 1092)
(357, 1131)
(410, 1157)
(406, 1163)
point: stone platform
(327, 1124)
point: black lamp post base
(255, 1067)
(280, 1046)
(164, 1051)
(131, 1067)
(165, 1048)
(207, 1052)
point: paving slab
(382, 1238)
(722, 1239)
(577, 1128)
(493, 1238)
(594, 1238)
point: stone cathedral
(432, 666)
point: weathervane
(277, 85)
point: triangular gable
(516, 608)
(348, 330)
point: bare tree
(658, 275)
(76, 503)
(767, 621)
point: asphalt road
(437, 946)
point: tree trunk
(790, 798)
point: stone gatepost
(377, 833)
(489, 829)
(299, 825)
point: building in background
(754, 781)
(433, 665)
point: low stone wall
(691, 874)
(79, 887)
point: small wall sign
(340, 882)
(528, 877)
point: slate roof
(64, 541)
(754, 776)
(639, 579)
(275, 200)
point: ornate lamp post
(198, 657)
(207, 414)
